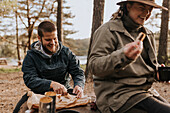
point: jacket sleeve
(106, 56)
(31, 78)
(75, 70)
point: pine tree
(98, 13)
(30, 13)
(162, 51)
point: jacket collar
(61, 46)
(36, 46)
(117, 25)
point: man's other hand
(78, 90)
(58, 88)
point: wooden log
(53, 96)
(45, 105)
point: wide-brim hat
(147, 2)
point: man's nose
(53, 42)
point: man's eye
(48, 40)
(142, 8)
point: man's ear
(128, 6)
(39, 38)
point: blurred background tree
(19, 20)
(163, 38)
(98, 13)
(27, 14)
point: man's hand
(133, 50)
(58, 88)
(78, 90)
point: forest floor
(12, 88)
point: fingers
(79, 94)
(61, 90)
(58, 88)
(134, 49)
(79, 91)
(64, 91)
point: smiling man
(47, 65)
(125, 67)
(48, 39)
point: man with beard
(47, 65)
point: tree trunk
(18, 52)
(30, 32)
(59, 21)
(29, 26)
(98, 12)
(162, 51)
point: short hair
(46, 26)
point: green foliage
(6, 6)
(68, 32)
(79, 47)
(29, 11)
(9, 70)
(8, 50)
(67, 16)
(83, 67)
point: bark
(59, 21)
(18, 52)
(98, 12)
(162, 51)
(30, 32)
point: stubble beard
(47, 50)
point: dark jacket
(117, 78)
(39, 69)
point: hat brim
(144, 2)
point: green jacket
(117, 78)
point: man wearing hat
(124, 67)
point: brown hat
(148, 2)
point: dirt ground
(12, 88)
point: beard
(46, 50)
